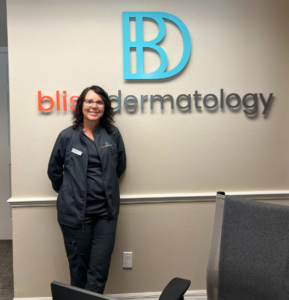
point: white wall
(240, 46)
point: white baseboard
(190, 295)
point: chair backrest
(61, 291)
(213, 262)
(254, 251)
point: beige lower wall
(167, 240)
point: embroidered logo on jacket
(106, 145)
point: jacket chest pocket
(76, 157)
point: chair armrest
(175, 289)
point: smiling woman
(92, 113)
(85, 106)
(85, 171)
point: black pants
(89, 252)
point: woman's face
(94, 111)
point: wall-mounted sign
(250, 102)
(139, 45)
(233, 101)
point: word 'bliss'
(250, 101)
(41, 98)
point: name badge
(76, 151)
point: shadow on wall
(3, 24)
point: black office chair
(249, 255)
(175, 290)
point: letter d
(114, 97)
(40, 107)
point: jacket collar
(95, 132)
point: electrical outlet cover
(127, 260)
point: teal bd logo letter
(140, 44)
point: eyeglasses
(91, 102)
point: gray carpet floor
(6, 271)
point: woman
(84, 167)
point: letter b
(140, 44)
(40, 98)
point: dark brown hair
(107, 118)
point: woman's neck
(89, 126)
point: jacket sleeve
(121, 164)
(56, 162)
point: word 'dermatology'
(250, 101)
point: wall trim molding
(190, 295)
(3, 49)
(158, 198)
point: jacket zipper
(85, 184)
